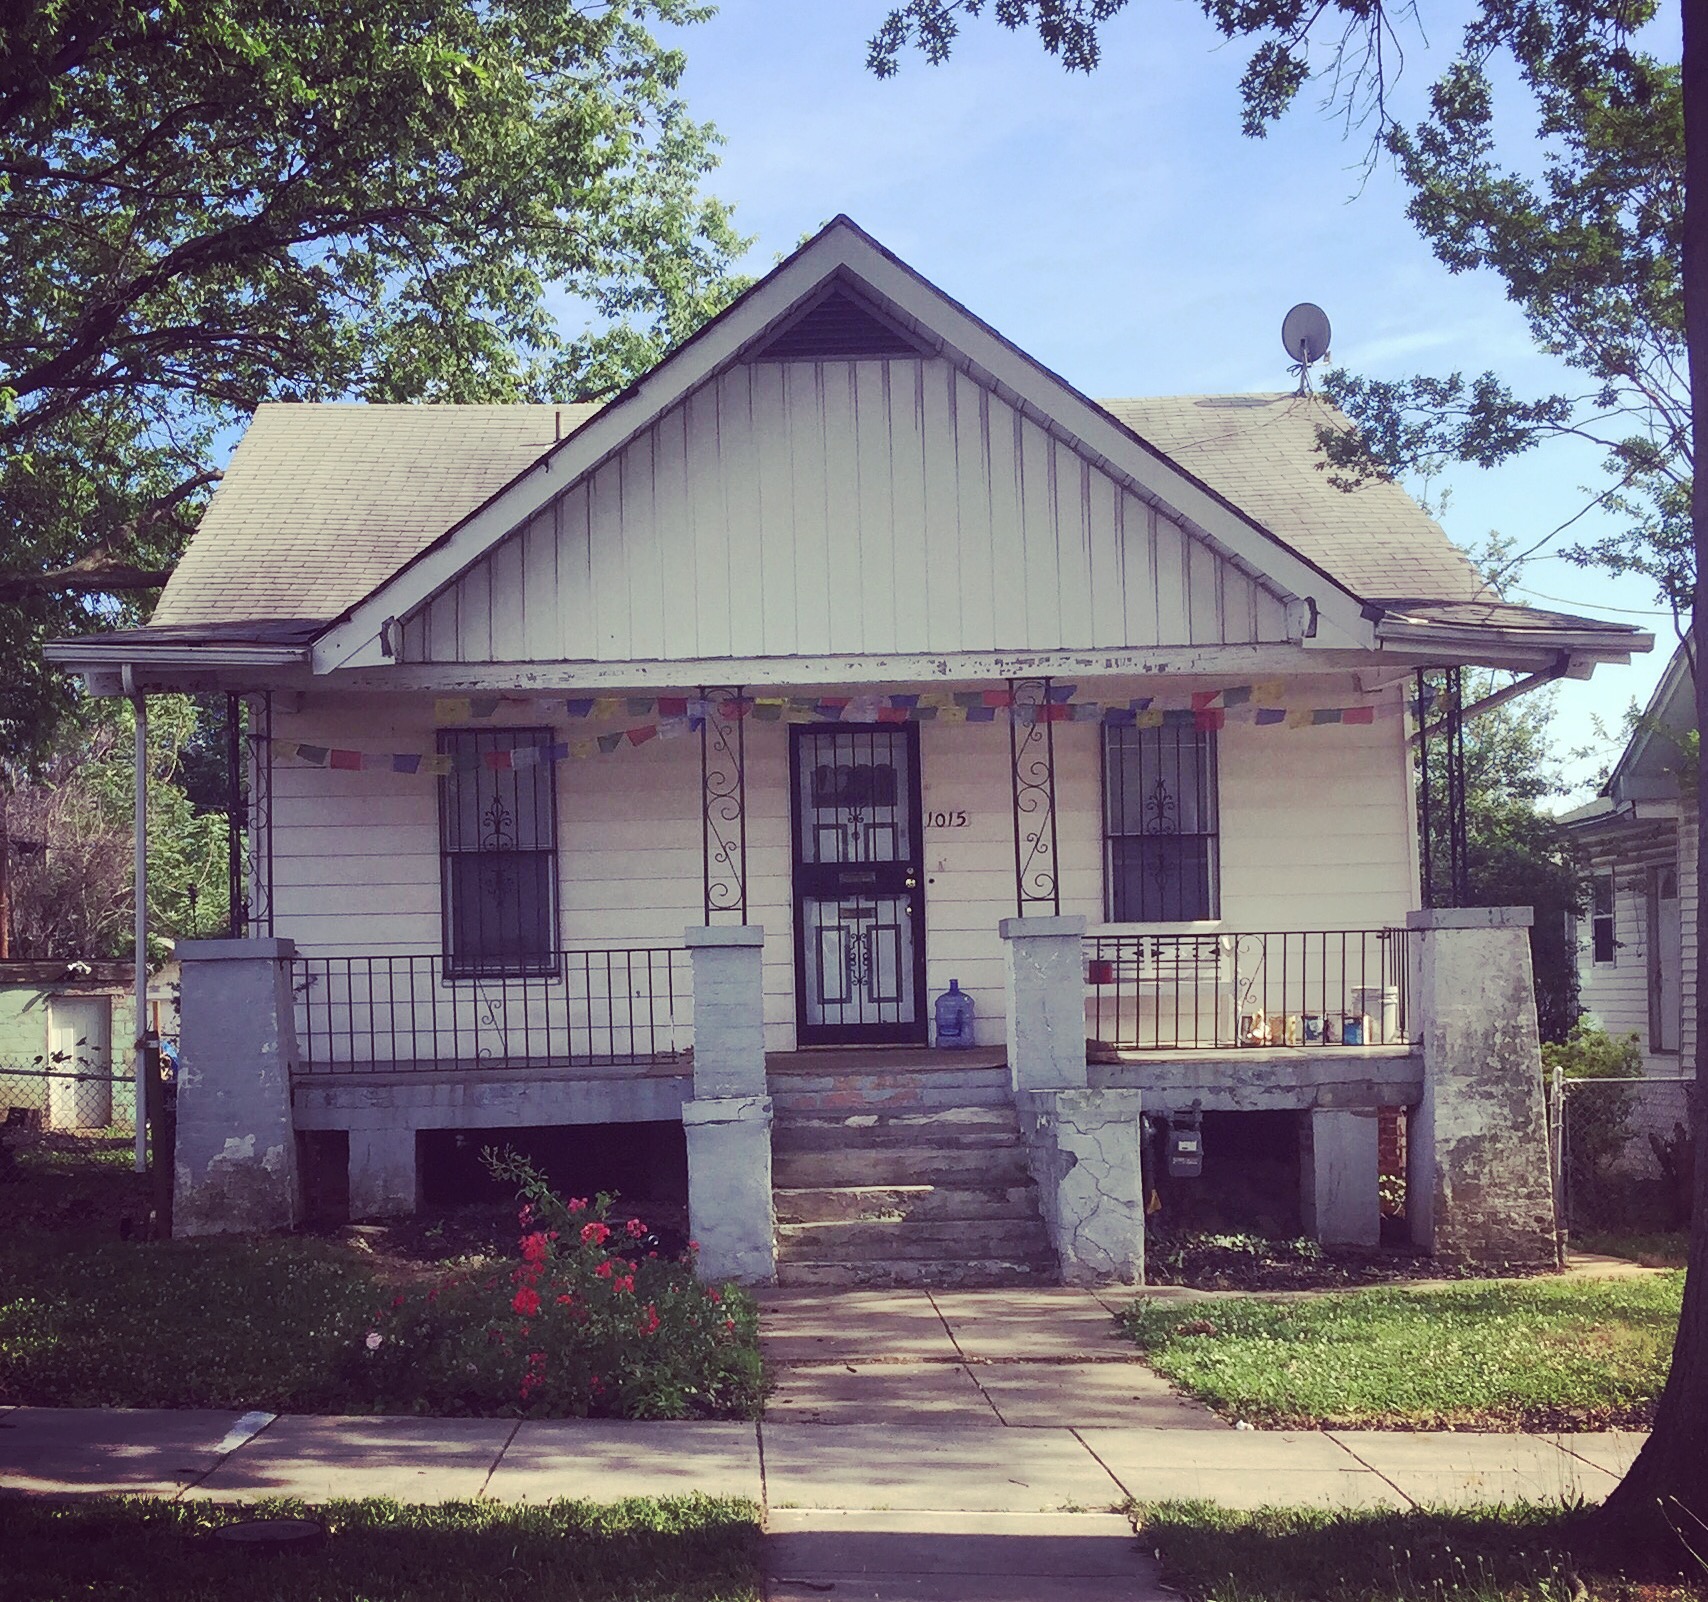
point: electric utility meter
(1185, 1146)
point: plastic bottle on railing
(954, 1011)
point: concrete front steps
(888, 1171)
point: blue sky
(1120, 229)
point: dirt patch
(1260, 1263)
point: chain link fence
(1621, 1151)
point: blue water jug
(954, 1011)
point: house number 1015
(945, 820)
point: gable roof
(1647, 768)
(843, 253)
(333, 519)
(320, 504)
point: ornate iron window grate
(498, 857)
(1161, 825)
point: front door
(859, 902)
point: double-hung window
(498, 853)
(1160, 824)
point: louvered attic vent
(837, 328)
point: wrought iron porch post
(1426, 841)
(259, 815)
(249, 813)
(1456, 825)
(1032, 755)
(1454, 888)
(723, 796)
(234, 819)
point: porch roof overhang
(278, 653)
(1499, 634)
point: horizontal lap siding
(1314, 835)
(861, 507)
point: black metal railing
(1182, 992)
(603, 1007)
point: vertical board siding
(842, 507)
(1314, 836)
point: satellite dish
(1305, 333)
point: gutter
(92, 655)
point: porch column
(384, 1182)
(1477, 1181)
(1340, 1174)
(235, 1168)
(1082, 1142)
(1045, 961)
(728, 1119)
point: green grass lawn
(1506, 1554)
(690, 1549)
(1492, 1354)
(277, 1322)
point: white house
(663, 761)
(1637, 940)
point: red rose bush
(585, 1323)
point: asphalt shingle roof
(321, 504)
(1260, 452)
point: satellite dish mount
(1305, 335)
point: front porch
(899, 1164)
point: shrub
(1597, 1116)
(592, 1321)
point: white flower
(374, 1339)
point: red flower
(534, 1248)
(565, 1299)
(595, 1234)
(649, 1320)
(626, 1283)
(577, 1204)
(526, 1301)
(526, 1216)
(605, 1269)
(714, 1296)
(634, 1228)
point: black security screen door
(859, 905)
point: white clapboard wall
(1315, 834)
(867, 507)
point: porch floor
(819, 1060)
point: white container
(1380, 1005)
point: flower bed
(299, 1324)
(592, 1320)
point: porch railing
(605, 1007)
(1228, 991)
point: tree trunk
(1665, 1495)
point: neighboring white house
(1637, 940)
(850, 623)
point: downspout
(139, 706)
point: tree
(1593, 263)
(209, 203)
(73, 884)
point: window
(1159, 824)
(1602, 927)
(498, 856)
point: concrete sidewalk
(936, 1469)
